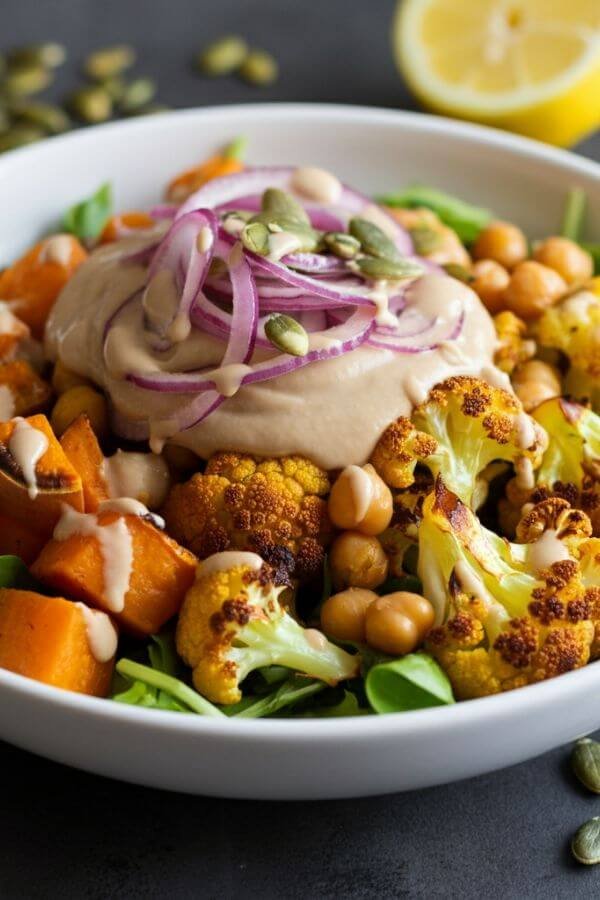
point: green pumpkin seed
(282, 205)
(425, 239)
(91, 104)
(137, 94)
(585, 762)
(25, 80)
(234, 220)
(457, 271)
(586, 842)
(308, 238)
(109, 61)
(341, 244)
(259, 68)
(49, 55)
(374, 267)
(255, 237)
(287, 334)
(52, 119)
(19, 136)
(373, 240)
(114, 87)
(223, 56)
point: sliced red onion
(223, 192)
(163, 211)
(315, 264)
(405, 344)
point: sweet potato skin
(83, 451)
(45, 638)
(58, 482)
(161, 574)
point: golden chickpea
(503, 242)
(489, 281)
(399, 622)
(532, 393)
(343, 614)
(357, 560)
(535, 381)
(63, 378)
(567, 258)
(361, 500)
(77, 400)
(532, 289)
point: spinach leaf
(296, 689)
(414, 681)
(87, 219)
(14, 573)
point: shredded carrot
(121, 225)
(227, 162)
(33, 282)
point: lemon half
(531, 66)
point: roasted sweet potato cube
(25, 393)
(20, 539)
(46, 638)
(58, 482)
(83, 452)
(159, 576)
(12, 332)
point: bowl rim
(519, 702)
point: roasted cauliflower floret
(403, 531)
(573, 326)
(245, 503)
(398, 450)
(513, 347)
(232, 622)
(507, 616)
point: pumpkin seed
(137, 94)
(234, 220)
(24, 80)
(19, 136)
(374, 241)
(52, 119)
(114, 87)
(287, 334)
(259, 68)
(282, 205)
(222, 57)
(309, 238)
(341, 244)
(425, 239)
(49, 55)
(586, 842)
(255, 237)
(91, 104)
(585, 761)
(376, 267)
(109, 61)
(457, 271)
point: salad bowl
(296, 758)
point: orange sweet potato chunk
(34, 281)
(12, 332)
(83, 451)
(45, 638)
(58, 482)
(20, 539)
(30, 393)
(161, 574)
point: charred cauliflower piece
(464, 425)
(573, 326)
(507, 616)
(513, 348)
(232, 622)
(244, 503)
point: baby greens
(14, 573)
(412, 682)
(87, 219)
(466, 220)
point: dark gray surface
(69, 835)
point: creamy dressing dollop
(331, 411)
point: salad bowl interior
(376, 151)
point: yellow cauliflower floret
(513, 348)
(246, 503)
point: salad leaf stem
(172, 686)
(466, 220)
(572, 222)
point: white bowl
(375, 150)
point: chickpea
(77, 400)
(357, 560)
(489, 281)
(63, 378)
(397, 623)
(535, 381)
(566, 257)
(343, 614)
(503, 242)
(361, 500)
(532, 288)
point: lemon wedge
(531, 66)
